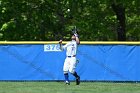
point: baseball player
(70, 61)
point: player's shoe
(78, 80)
(67, 83)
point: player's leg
(65, 70)
(72, 68)
(77, 78)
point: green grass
(60, 87)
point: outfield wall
(98, 61)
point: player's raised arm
(60, 43)
(77, 38)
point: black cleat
(78, 80)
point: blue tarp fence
(45, 62)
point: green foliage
(47, 20)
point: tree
(47, 20)
(120, 13)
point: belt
(72, 56)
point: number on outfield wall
(51, 47)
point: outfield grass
(60, 87)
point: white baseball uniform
(70, 61)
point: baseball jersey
(71, 48)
